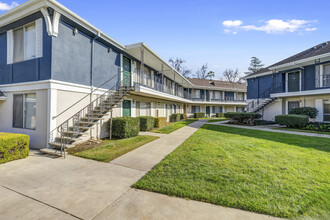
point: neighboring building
(298, 81)
(60, 77)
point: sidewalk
(271, 129)
(41, 186)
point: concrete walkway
(43, 187)
(271, 129)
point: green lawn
(301, 130)
(174, 126)
(272, 173)
(111, 149)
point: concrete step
(52, 152)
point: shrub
(199, 114)
(124, 127)
(175, 117)
(309, 111)
(160, 122)
(242, 117)
(146, 123)
(13, 146)
(219, 115)
(292, 121)
(182, 116)
(263, 122)
(317, 126)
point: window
(195, 109)
(240, 109)
(326, 76)
(326, 112)
(217, 109)
(293, 105)
(24, 43)
(24, 113)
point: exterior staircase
(257, 105)
(76, 129)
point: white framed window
(326, 76)
(240, 109)
(25, 42)
(293, 105)
(24, 111)
(195, 109)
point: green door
(207, 111)
(126, 72)
(126, 108)
(293, 81)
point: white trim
(10, 47)
(56, 22)
(300, 61)
(49, 27)
(257, 75)
(301, 93)
(51, 112)
(47, 84)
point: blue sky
(224, 34)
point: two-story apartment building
(300, 80)
(61, 78)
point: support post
(142, 66)
(110, 131)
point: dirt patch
(84, 146)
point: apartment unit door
(126, 72)
(208, 111)
(126, 108)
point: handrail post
(110, 131)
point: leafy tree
(203, 72)
(231, 75)
(178, 65)
(255, 65)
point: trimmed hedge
(175, 117)
(317, 126)
(124, 127)
(242, 117)
(146, 123)
(292, 121)
(160, 122)
(263, 122)
(309, 111)
(13, 146)
(199, 115)
(219, 115)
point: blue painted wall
(309, 77)
(25, 71)
(252, 88)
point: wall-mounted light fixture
(133, 61)
(109, 50)
(75, 31)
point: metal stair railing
(104, 103)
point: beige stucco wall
(38, 137)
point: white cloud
(6, 7)
(272, 26)
(230, 23)
(310, 29)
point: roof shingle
(217, 84)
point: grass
(111, 149)
(301, 130)
(278, 174)
(174, 126)
(218, 119)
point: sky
(223, 34)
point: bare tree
(178, 65)
(203, 72)
(231, 75)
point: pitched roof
(217, 84)
(311, 52)
(263, 70)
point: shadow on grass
(318, 143)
